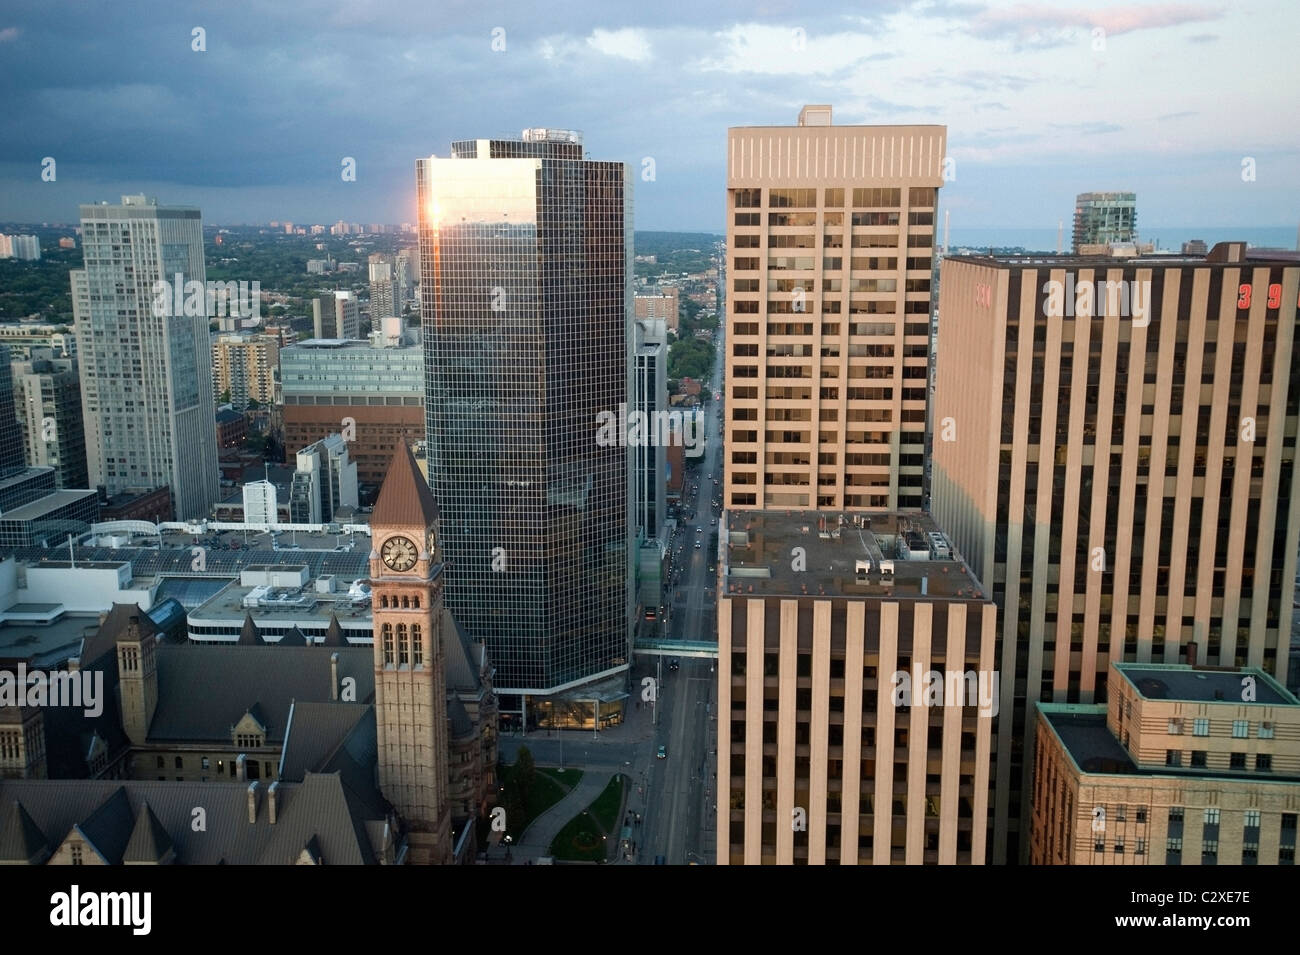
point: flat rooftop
(758, 556)
(1179, 681)
(288, 605)
(1082, 730)
(45, 645)
(1216, 256)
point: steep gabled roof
(21, 840)
(405, 497)
(334, 634)
(108, 828)
(294, 638)
(149, 842)
(248, 635)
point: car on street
(674, 664)
(698, 545)
(663, 753)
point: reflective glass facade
(524, 252)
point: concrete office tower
(336, 316)
(836, 744)
(650, 462)
(1176, 768)
(1105, 218)
(1114, 463)
(245, 365)
(525, 256)
(383, 288)
(47, 393)
(374, 397)
(830, 237)
(146, 365)
(12, 458)
(324, 481)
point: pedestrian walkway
(537, 838)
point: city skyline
(1155, 103)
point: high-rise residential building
(1182, 765)
(407, 264)
(146, 366)
(324, 481)
(525, 259)
(830, 237)
(12, 458)
(650, 397)
(1104, 218)
(857, 690)
(26, 247)
(660, 304)
(374, 397)
(383, 287)
(245, 365)
(1114, 459)
(47, 393)
(336, 315)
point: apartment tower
(525, 285)
(144, 352)
(1114, 457)
(830, 239)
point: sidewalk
(537, 838)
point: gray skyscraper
(649, 467)
(1105, 218)
(11, 435)
(525, 249)
(145, 355)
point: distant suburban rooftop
(1179, 681)
(1223, 254)
(759, 556)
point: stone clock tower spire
(410, 681)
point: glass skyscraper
(525, 251)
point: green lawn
(591, 834)
(549, 787)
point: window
(1198, 757)
(1263, 762)
(1209, 850)
(180, 762)
(388, 643)
(162, 762)
(1119, 847)
(1252, 818)
(1141, 848)
(1176, 727)
(1288, 822)
(403, 646)
(1240, 729)
(1237, 761)
(1200, 727)
(1174, 845)
(1176, 814)
(1266, 730)
(1286, 855)
(1099, 845)
(1212, 817)
(74, 851)
(417, 646)
(1142, 815)
(1173, 757)
(205, 763)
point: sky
(1193, 106)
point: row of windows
(1201, 727)
(410, 644)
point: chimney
(334, 676)
(1191, 653)
(241, 771)
(272, 800)
(252, 801)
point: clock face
(399, 553)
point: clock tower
(410, 681)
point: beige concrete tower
(410, 682)
(830, 240)
(137, 671)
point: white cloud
(629, 44)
